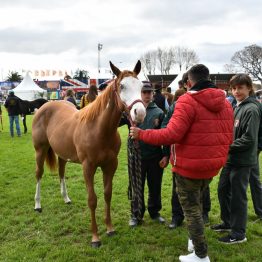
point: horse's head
(130, 91)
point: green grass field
(61, 232)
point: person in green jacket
(242, 158)
(153, 161)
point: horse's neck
(111, 116)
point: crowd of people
(202, 132)
(199, 131)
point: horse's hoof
(69, 203)
(111, 233)
(96, 244)
(38, 210)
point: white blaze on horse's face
(130, 92)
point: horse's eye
(122, 86)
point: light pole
(99, 48)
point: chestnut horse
(88, 137)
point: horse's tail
(51, 159)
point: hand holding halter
(134, 132)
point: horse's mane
(92, 110)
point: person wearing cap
(152, 162)
(12, 106)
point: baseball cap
(147, 86)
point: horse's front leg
(108, 173)
(89, 172)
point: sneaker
(221, 227)
(193, 258)
(133, 222)
(190, 246)
(159, 219)
(232, 240)
(175, 223)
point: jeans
(11, 125)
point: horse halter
(127, 108)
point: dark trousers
(152, 172)
(177, 211)
(232, 195)
(190, 193)
(256, 189)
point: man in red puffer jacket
(201, 130)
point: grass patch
(61, 232)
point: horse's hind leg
(108, 173)
(40, 159)
(61, 170)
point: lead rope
(135, 193)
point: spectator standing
(177, 211)
(152, 163)
(160, 99)
(242, 158)
(70, 97)
(12, 106)
(89, 97)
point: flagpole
(99, 47)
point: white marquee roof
(28, 89)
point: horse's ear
(115, 70)
(137, 68)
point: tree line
(165, 59)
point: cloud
(48, 41)
(69, 31)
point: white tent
(174, 84)
(29, 90)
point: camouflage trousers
(190, 194)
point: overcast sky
(55, 34)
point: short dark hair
(242, 79)
(198, 72)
